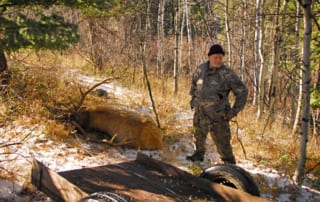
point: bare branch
(83, 95)
(312, 168)
(16, 143)
(316, 22)
(238, 138)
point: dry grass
(274, 144)
(37, 91)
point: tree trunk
(3, 62)
(207, 14)
(260, 30)
(275, 60)
(143, 33)
(182, 22)
(187, 10)
(257, 59)
(299, 173)
(160, 44)
(228, 32)
(299, 105)
(160, 57)
(95, 53)
(317, 84)
(145, 74)
(177, 46)
(295, 114)
(243, 40)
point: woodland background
(156, 46)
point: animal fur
(131, 128)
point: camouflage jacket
(210, 91)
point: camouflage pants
(220, 134)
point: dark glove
(230, 114)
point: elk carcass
(125, 127)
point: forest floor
(24, 143)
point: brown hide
(137, 130)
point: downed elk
(128, 128)
(124, 127)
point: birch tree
(295, 114)
(177, 47)
(275, 62)
(189, 40)
(160, 41)
(259, 57)
(143, 40)
(182, 23)
(227, 24)
(185, 24)
(95, 52)
(243, 39)
(307, 13)
(256, 53)
(276, 58)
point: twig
(238, 138)
(312, 168)
(264, 128)
(16, 143)
(10, 144)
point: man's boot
(196, 156)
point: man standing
(210, 88)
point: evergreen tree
(32, 24)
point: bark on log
(54, 185)
(224, 192)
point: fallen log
(144, 179)
(54, 185)
(227, 193)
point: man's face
(216, 60)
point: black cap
(216, 49)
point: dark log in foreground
(226, 193)
(143, 179)
(53, 184)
